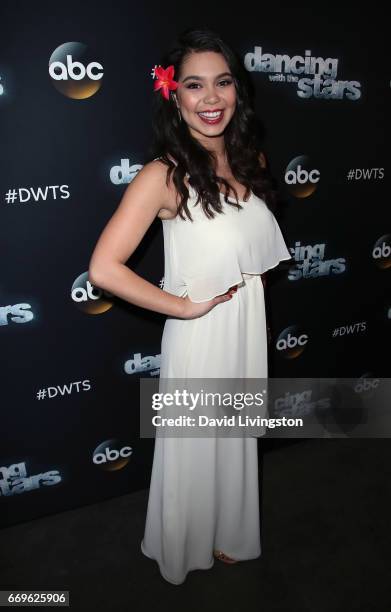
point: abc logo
(301, 177)
(90, 299)
(291, 342)
(73, 72)
(382, 252)
(112, 455)
(367, 384)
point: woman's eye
(191, 84)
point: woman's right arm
(142, 200)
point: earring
(177, 107)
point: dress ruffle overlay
(204, 258)
(204, 492)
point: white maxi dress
(204, 492)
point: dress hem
(176, 583)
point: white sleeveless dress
(204, 491)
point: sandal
(223, 557)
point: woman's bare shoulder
(155, 173)
(169, 211)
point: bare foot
(223, 557)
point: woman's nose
(211, 95)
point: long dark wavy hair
(172, 138)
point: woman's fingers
(228, 295)
(224, 297)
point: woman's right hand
(193, 310)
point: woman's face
(206, 85)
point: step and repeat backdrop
(76, 89)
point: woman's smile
(211, 118)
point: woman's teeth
(211, 115)
(211, 118)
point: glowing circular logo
(73, 72)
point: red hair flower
(165, 80)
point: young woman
(210, 188)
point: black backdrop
(85, 351)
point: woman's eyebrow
(198, 78)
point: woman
(203, 501)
